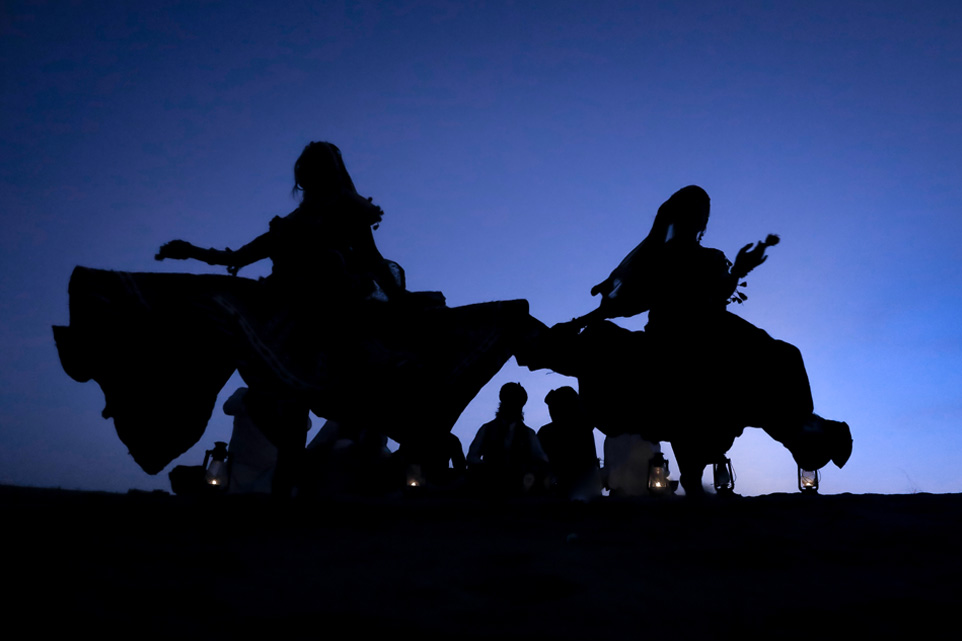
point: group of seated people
(505, 458)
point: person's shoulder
(709, 256)
(282, 222)
(711, 253)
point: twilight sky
(519, 150)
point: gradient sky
(519, 150)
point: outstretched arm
(252, 252)
(619, 298)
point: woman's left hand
(749, 258)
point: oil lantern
(215, 461)
(723, 476)
(808, 481)
(658, 475)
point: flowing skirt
(161, 347)
(704, 383)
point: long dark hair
(320, 173)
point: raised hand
(750, 257)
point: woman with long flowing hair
(333, 329)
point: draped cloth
(161, 347)
(731, 376)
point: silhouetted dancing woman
(332, 329)
(705, 373)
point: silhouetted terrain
(788, 566)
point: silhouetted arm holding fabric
(667, 266)
(257, 249)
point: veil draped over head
(687, 201)
(625, 289)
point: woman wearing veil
(333, 329)
(703, 373)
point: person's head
(513, 397)
(563, 404)
(685, 214)
(320, 172)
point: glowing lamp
(215, 461)
(414, 477)
(808, 481)
(723, 476)
(658, 482)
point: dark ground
(784, 566)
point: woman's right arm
(252, 252)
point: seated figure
(569, 442)
(505, 456)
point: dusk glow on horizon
(519, 150)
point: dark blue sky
(519, 149)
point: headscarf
(625, 292)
